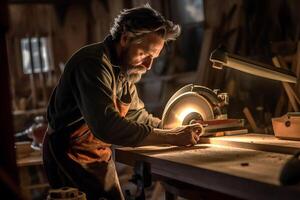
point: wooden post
(288, 89)
(280, 104)
(203, 63)
(8, 168)
(41, 74)
(250, 119)
(31, 76)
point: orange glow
(184, 113)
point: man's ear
(124, 39)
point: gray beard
(130, 75)
(134, 78)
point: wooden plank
(250, 119)
(39, 111)
(227, 170)
(33, 86)
(203, 62)
(31, 160)
(288, 89)
(222, 159)
(261, 142)
(42, 75)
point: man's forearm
(157, 136)
(180, 136)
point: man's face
(137, 56)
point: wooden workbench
(30, 160)
(261, 142)
(33, 181)
(246, 166)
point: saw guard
(188, 99)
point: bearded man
(96, 104)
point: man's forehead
(152, 42)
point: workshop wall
(258, 30)
(255, 29)
(67, 27)
(251, 28)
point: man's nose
(148, 63)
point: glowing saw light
(184, 113)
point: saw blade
(182, 105)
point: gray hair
(143, 20)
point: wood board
(254, 141)
(240, 172)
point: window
(35, 54)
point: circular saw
(193, 103)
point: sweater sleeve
(92, 82)
(137, 111)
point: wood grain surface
(241, 172)
(262, 142)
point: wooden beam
(42, 75)
(32, 77)
(288, 89)
(203, 62)
(8, 168)
(250, 119)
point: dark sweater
(85, 93)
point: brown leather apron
(87, 163)
(85, 148)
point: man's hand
(183, 136)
